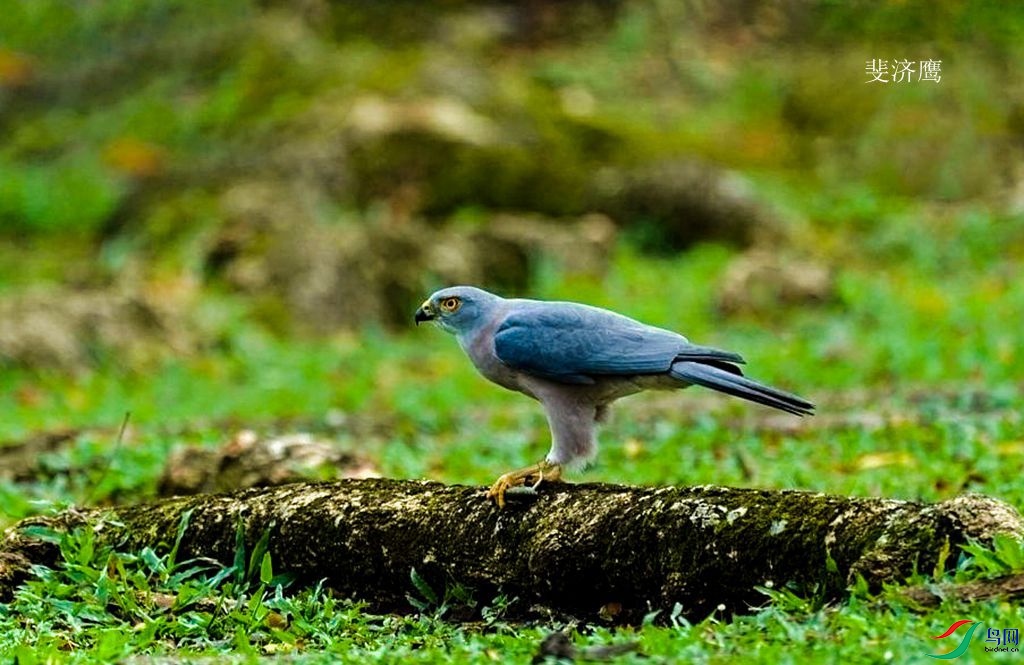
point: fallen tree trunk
(1007, 588)
(574, 549)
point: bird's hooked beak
(425, 313)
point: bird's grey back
(572, 342)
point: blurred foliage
(132, 127)
(112, 108)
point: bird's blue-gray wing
(570, 343)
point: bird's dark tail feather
(701, 354)
(736, 385)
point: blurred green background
(222, 215)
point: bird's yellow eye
(450, 304)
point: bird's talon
(543, 471)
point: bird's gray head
(458, 309)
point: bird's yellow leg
(532, 475)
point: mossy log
(579, 550)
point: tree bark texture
(578, 550)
